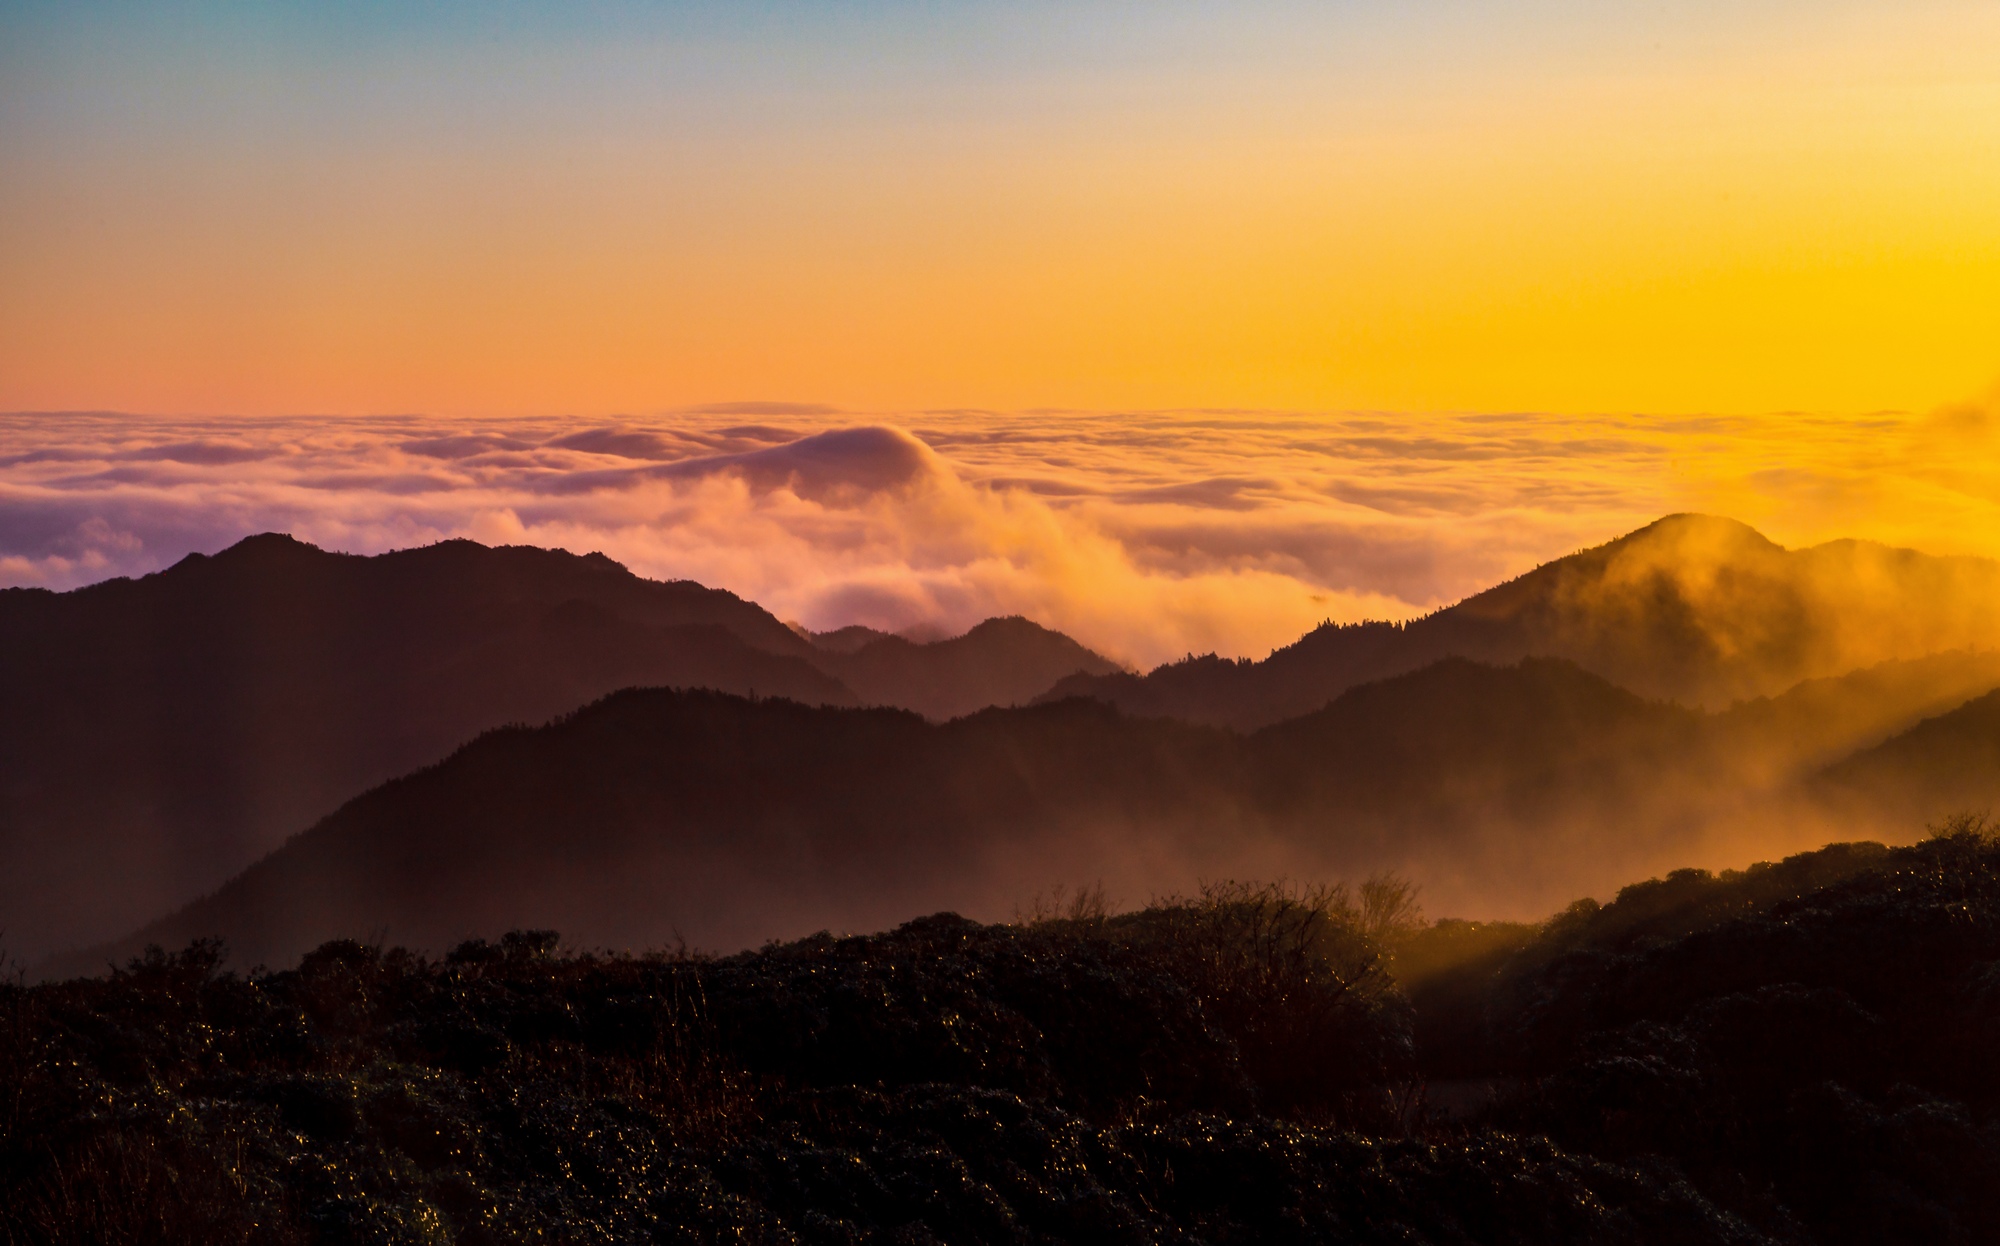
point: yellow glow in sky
(1562, 208)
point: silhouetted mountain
(845, 639)
(1000, 662)
(163, 732)
(1501, 779)
(1942, 766)
(1820, 721)
(159, 734)
(1691, 608)
(654, 815)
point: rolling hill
(1000, 662)
(159, 734)
(1691, 608)
(654, 815)
(1944, 766)
(164, 733)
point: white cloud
(1145, 535)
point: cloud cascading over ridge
(1145, 535)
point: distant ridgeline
(1694, 609)
(158, 735)
(220, 744)
(1797, 1054)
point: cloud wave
(1146, 535)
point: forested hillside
(160, 734)
(1799, 1053)
(656, 816)
(1691, 608)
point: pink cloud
(1146, 535)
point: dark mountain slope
(655, 814)
(1809, 1042)
(159, 734)
(845, 639)
(1820, 721)
(1691, 608)
(1522, 729)
(1942, 766)
(1459, 767)
(162, 732)
(1000, 662)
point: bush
(1809, 1041)
(1801, 1052)
(1088, 1077)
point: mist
(1146, 536)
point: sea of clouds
(1145, 535)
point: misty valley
(493, 894)
(885, 623)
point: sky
(1672, 206)
(1178, 325)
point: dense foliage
(1812, 1042)
(1797, 1053)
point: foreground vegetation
(1799, 1053)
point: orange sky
(1201, 321)
(1688, 207)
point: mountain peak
(1011, 626)
(264, 545)
(1686, 543)
(1695, 608)
(1683, 525)
(243, 692)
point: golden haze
(1145, 535)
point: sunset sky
(1689, 205)
(1738, 256)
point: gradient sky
(592, 209)
(1179, 326)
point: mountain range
(1688, 692)
(655, 817)
(160, 734)
(1691, 608)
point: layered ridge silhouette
(656, 816)
(168, 731)
(162, 733)
(1691, 608)
(1944, 765)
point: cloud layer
(1145, 535)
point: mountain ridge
(1946, 766)
(168, 731)
(655, 815)
(1692, 608)
(163, 732)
